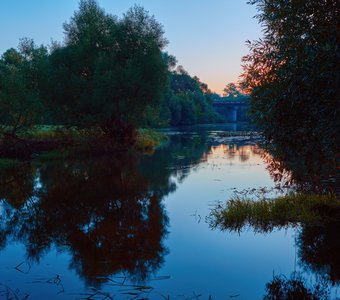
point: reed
(266, 214)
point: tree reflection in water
(319, 246)
(101, 211)
(296, 288)
(106, 212)
(318, 242)
(309, 170)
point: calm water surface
(129, 227)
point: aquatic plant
(266, 214)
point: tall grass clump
(147, 140)
(266, 214)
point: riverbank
(72, 140)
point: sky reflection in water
(109, 224)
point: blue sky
(206, 36)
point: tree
(108, 70)
(231, 91)
(20, 79)
(186, 100)
(189, 99)
(293, 76)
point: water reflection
(317, 241)
(296, 287)
(108, 215)
(101, 211)
(17, 183)
(106, 212)
(186, 152)
(233, 151)
(306, 168)
(319, 247)
(310, 170)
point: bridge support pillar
(232, 114)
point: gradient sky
(207, 37)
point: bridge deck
(230, 103)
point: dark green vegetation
(108, 71)
(264, 215)
(232, 92)
(147, 140)
(293, 76)
(104, 75)
(109, 77)
(186, 101)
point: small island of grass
(264, 215)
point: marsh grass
(266, 214)
(49, 139)
(148, 140)
(44, 132)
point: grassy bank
(266, 214)
(148, 140)
(71, 140)
(6, 163)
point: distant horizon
(202, 36)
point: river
(127, 227)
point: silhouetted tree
(231, 91)
(293, 76)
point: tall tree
(109, 70)
(21, 73)
(293, 76)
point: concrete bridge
(232, 111)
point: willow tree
(293, 76)
(108, 70)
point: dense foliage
(233, 92)
(293, 77)
(185, 101)
(110, 74)
(109, 70)
(105, 74)
(21, 74)
(188, 101)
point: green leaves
(293, 76)
(109, 69)
(293, 72)
(20, 100)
